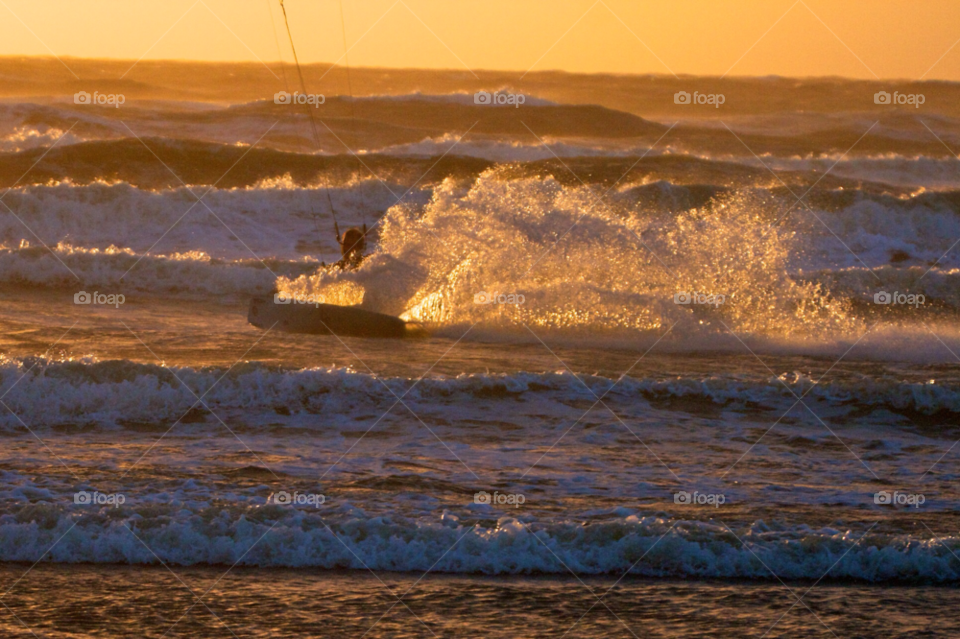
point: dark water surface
(74, 601)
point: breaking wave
(266, 535)
(109, 393)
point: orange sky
(853, 38)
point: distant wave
(407, 124)
(345, 124)
(463, 98)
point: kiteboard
(327, 319)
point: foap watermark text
(102, 299)
(312, 99)
(499, 499)
(896, 498)
(298, 298)
(95, 498)
(707, 299)
(102, 99)
(283, 498)
(498, 298)
(697, 498)
(499, 99)
(897, 298)
(713, 99)
(911, 99)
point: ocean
(692, 369)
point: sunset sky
(852, 38)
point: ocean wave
(31, 137)
(409, 155)
(121, 269)
(939, 287)
(510, 150)
(898, 170)
(226, 166)
(342, 537)
(268, 219)
(369, 123)
(911, 232)
(113, 392)
(459, 97)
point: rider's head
(353, 243)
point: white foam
(646, 546)
(57, 393)
(265, 221)
(511, 150)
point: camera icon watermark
(498, 298)
(102, 99)
(298, 298)
(84, 498)
(103, 299)
(898, 298)
(499, 99)
(297, 98)
(283, 498)
(896, 498)
(911, 99)
(707, 299)
(713, 99)
(500, 499)
(696, 498)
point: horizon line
(330, 65)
